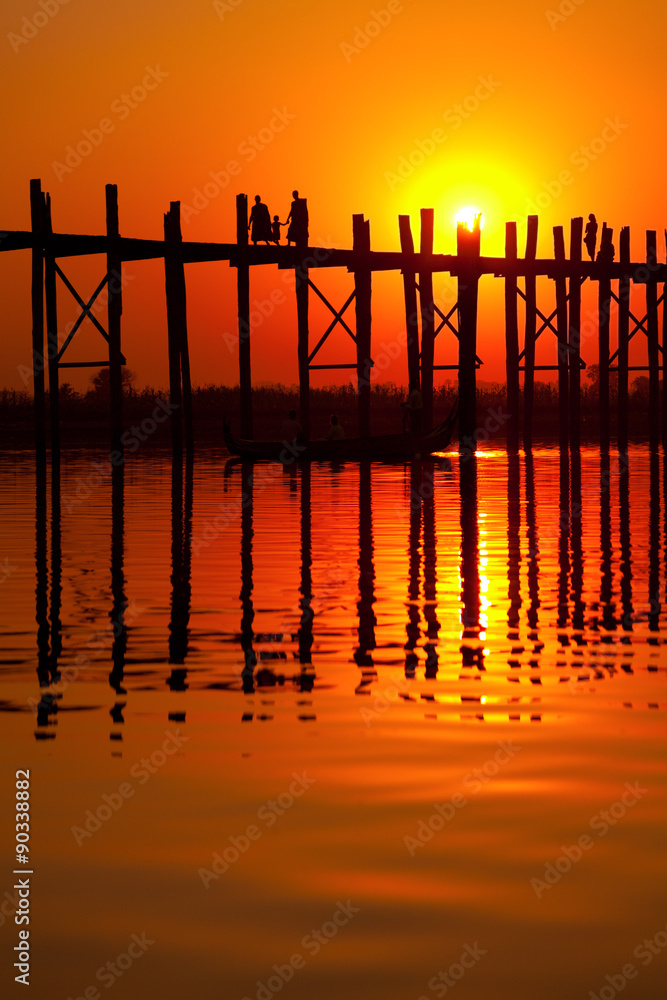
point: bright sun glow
(467, 215)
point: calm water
(374, 731)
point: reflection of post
(563, 542)
(513, 544)
(305, 635)
(470, 583)
(626, 549)
(606, 576)
(654, 546)
(181, 539)
(367, 620)
(119, 600)
(414, 568)
(578, 606)
(247, 610)
(533, 546)
(430, 579)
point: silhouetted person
(606, 253)
(298, 219)
(591, 235)
(260, 220)
(275, 229)
(292, 430)
(336, 432)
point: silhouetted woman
(590, 239)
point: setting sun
(467, 217)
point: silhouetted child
(275, 229)
(590, 239)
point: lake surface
(341, 731)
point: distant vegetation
(84, 415)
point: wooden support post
(623, 341)
(302, 290)
(427, 318)
(410, 294)
(574, 333)
(604, 310)
(52, 339)
(652, 331)
(529, 336)
(177, 323)
(37, 225)
(361, 244)
(114, 310)
(511, 343)
(243, 294)
(664, 360)
(561, 326)
(468, 247)
(172, 289)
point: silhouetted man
(590, 239)
(298, 219)
(260, 220)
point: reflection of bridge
(264, 658)
(417, 269)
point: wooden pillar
(37, 225)
(171, 283)
(604, 309)
(52, 339)
(664, 361)
(511, 342)
(301, 289)
(114, 310)
(177, 327)
(410, 294)
(427, 317)
(574, 332)
(623, 340)
(529, 336)
(468, 246)
(243, 295)
(361, 244)
(652, 331)
(561, 326)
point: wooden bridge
(417, 266)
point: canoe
(386, 447)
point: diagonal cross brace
(338, 318)
(85, 306)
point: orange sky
(331, 99)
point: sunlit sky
(509, 109)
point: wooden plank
(243, 299)
(427, 316)
(511, 343)
(623, 341)
(361, 240)
(37, 238)
(410, 296)
(652, 331)
(563, 352)
(574, 332)
(114, 310)
(529, 335)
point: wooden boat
(388, 447)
